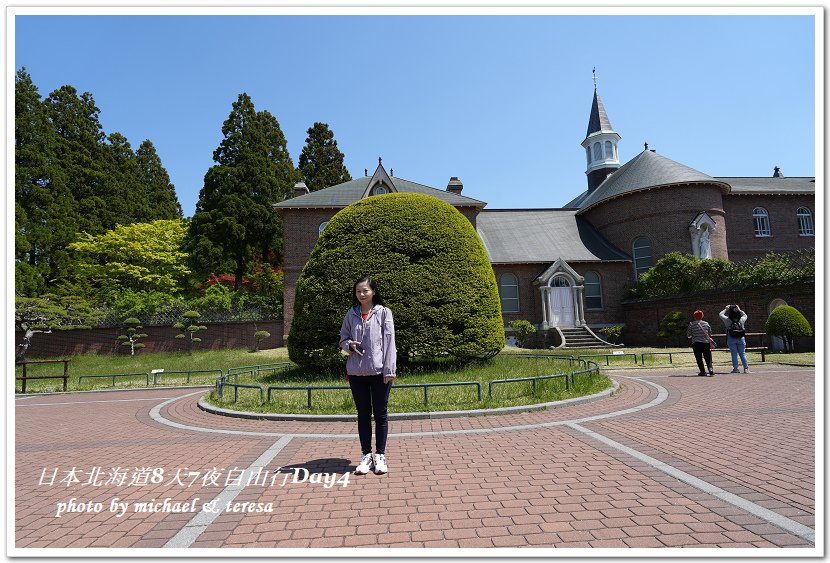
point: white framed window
(593, 291)
(760, 219)
(641, 250)
(509, 292)
(597, 151)
(609, 150)
(588, 154)
(322, 226)
(805, 222)
(380, 189)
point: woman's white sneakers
(380, 464)
(369, 462)
(366, 464)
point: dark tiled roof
(599, 119)
(347, 193)
(574, 203)
(771, 186)
(646, 170)
(521, 236)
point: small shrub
(673, 325)
(788, 323)
(522, 329)
(259, 336)
(188, 328)
(132, 337)
(611, 333)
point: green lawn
(404, 399)
(94, 364)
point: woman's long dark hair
(376, 298)
(734, 313)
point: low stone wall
(642, 318)
(235, 334)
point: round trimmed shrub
(432, 271)
(788, 323)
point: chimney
(777, 173)
(300, 189)
(455, 186)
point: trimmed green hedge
(788, 323)
(432, 271)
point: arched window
(560, 281)
(609, 150)
(322, 226)
(597, 151)
(509, 290)
(805, 222)
(642, 255)
(593, 291)
(588, 154)
(760, 219)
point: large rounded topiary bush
(788, 323)
(432, 271)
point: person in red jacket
(368, 336)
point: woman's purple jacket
(377, 337)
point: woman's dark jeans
(702, 350)
(371, 396)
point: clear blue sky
(502, 102)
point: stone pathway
(669, 461)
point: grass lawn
(411, 399)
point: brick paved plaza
(669, 461)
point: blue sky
(502, 102)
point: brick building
(567, 268)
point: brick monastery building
(568, 267)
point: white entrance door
(562, 306)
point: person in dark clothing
(701, 334)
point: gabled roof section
(767, 185)
(598, 122)
(349, 192)
(380, 177)
(645, 171)
(530, 236)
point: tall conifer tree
(234, 222)
(160, 191)
(79, 153)
(321, 162)
(45, 212)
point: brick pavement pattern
(537, 479)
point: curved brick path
(712, 462)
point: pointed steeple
(598, 122)
(600, 143)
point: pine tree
(161, 193)
(130, 203)
(45, 212)
(79, 153)
(321, 162)
(234, 222)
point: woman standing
(368, 335)
(735, 322)
(701, 334)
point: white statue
(703, 249)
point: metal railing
(114, 376)
(266, 391)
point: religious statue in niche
(700, 231)
(703, 249)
